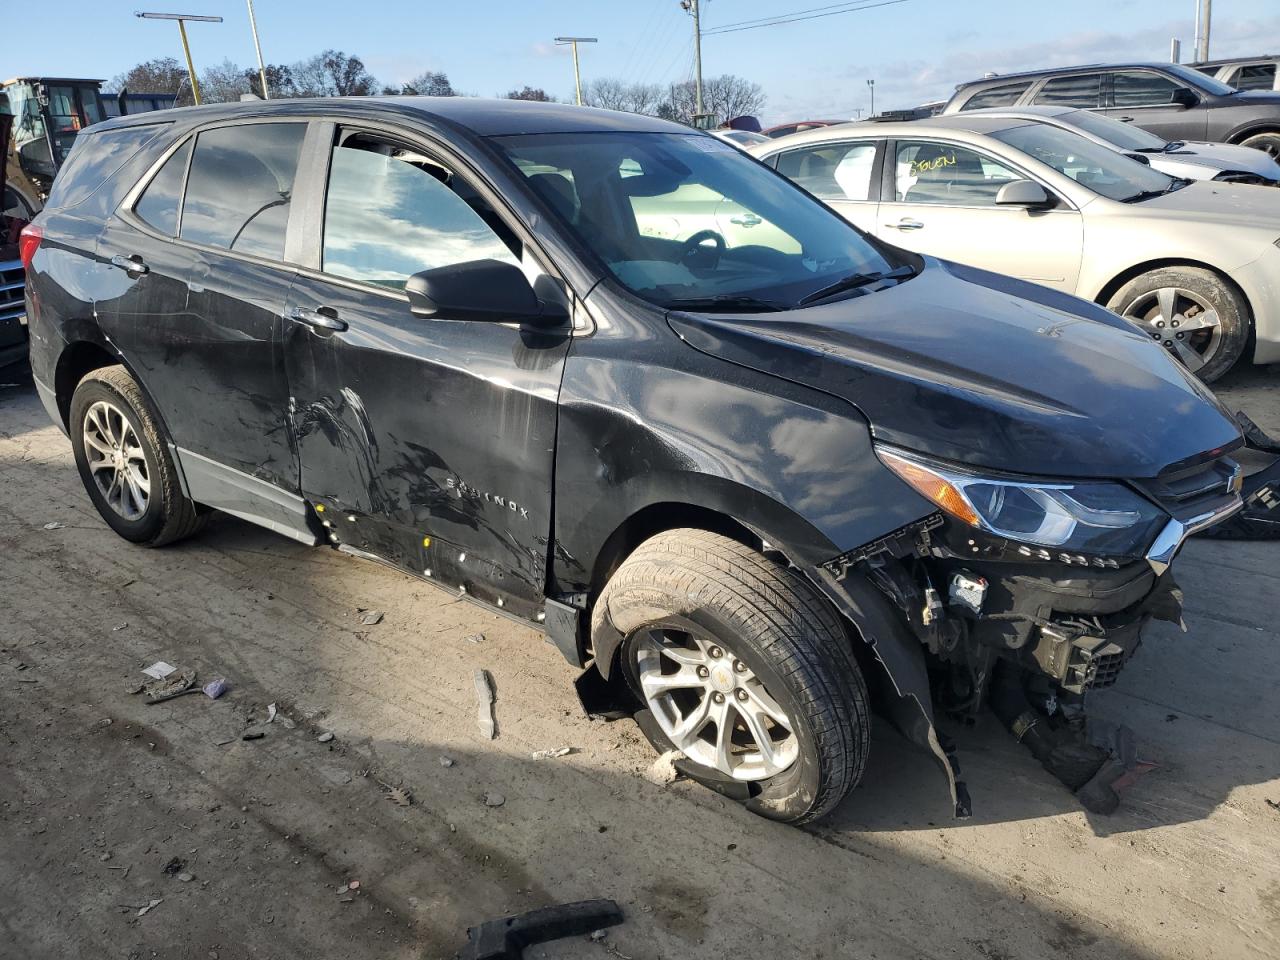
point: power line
(813, 13)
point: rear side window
(160, 202)
(1256, 76)
(1083, 91)
(1005, 95)
(240, 187)
(94, 158)
(1141, 88)
(832, 171)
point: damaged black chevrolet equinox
(748, 467)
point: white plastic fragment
(271, 712)
(143, 911)
(484, 704)
(159, 670)
(664, 769)
(325, 737)
(552, 753)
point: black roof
(1054, 71)
(486, 118)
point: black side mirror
(487, 290)
(1024, 193)
(1185, 97)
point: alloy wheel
(712, 707)
(116, 460)
(1185, 323)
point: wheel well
(654, 519)
(77, 360)
(1114, 285)
(1243, 135)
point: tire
(108, 405)
(1268, 141)
(689, 593)
(1208, 351)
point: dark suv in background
(1244, 73)
(739, 475)
(1173, 101)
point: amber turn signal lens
(931, 486)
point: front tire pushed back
(124, 461)
(714, 631)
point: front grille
(12, 284)
(1207, 480)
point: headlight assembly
(1091, 517)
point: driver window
(391, 211)
(940, 173)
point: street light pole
(1204, 14)
(692, 7)
(577, 75)
(182, 19)
(262, 70)
(871, 85)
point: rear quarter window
(1005, 95)
(95, 158)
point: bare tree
(530, 93)
(725, 97)
(332, 74)
(279, 81)
(223, 83)
(161, 75)
(613, 94)
(431, 84)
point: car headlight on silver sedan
(1100, 518)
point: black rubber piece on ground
(170, 516)
(786, 632)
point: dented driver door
(428, 443)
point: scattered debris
(664, 769)
(598, 935)
(253, 735)
(551, 754)
(370, 618)
(484, 706)
(507, 937)
(119, 627)
(215, 688)
(223, 743)
(55, 525)
(494, 799)
(174, 866)
(353, 885)
(158, 691)
(325, 737)
(446, 761)
(104, 857)
(159, 670)
(1273, 804)
(271, 712)
(143, 911)
(474, 638)
(399, 796)
(186, 877)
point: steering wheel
(695, 252)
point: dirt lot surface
(99, 792)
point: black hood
(978, 368)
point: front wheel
(743, 667)
(1193, 313)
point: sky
(915, 50)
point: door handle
(906, 223)
(746, 220)
(133, 265)
(324, 319)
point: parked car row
(749, 467)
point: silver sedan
(1195, 263)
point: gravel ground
(263, 839)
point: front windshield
(1123, 135)
(679, 218)
(1090, 164)
(1196, 79)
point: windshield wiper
(726, 301)
(855, 281)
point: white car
(1196, 264)
(1178, 158)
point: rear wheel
(1193, 313)
(124, 462)
(1268, 141)
(743, 667)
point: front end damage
(961, 618)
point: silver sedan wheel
(1185, 323)
(116, 461)
(712, 707)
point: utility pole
(182, 19)
(691, 7)
(1204, 14)
(871, 85)
(577, 76)
(262, 70)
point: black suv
(1173, 101)
(621, 382)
